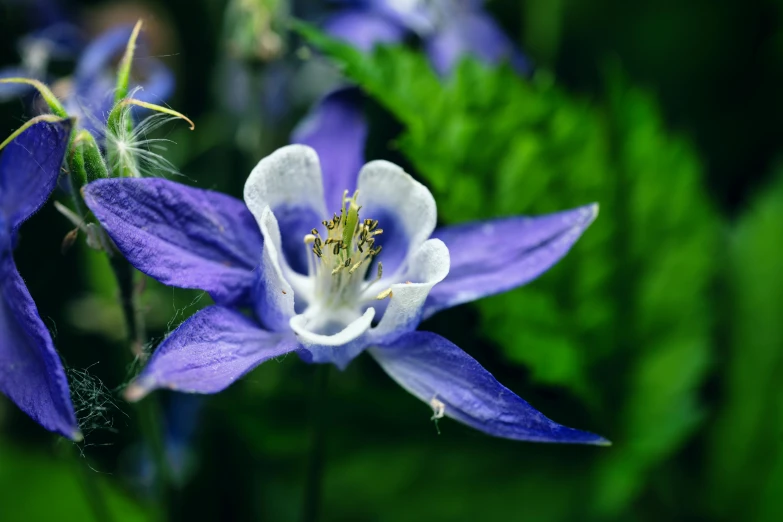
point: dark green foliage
(745, 475)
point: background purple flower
(449, 29)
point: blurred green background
(661, 330)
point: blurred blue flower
(316, 284)
(31, 373)
(60, 41)
(89, 94)
(450, 29)
(42, 14)
(52, 36)
(94, 80)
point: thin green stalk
(148, 411)
(131, 311)
(315, 465)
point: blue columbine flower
(31, 373)
(449, 29)
(330, 285)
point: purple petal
(341, 356)
(337, 130)
(472, 33)
(158, 82)
(181, 236)
(455, 385)
(99, 55)
(209, 352)
(31, 374)
(61, 40)
(495, 256)
(364, 29)
(43, 13)
(29, 167)
(419, 17)
(296, 222)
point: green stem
(315, 465)
(93, 493)
(131, 311)
(148, 410)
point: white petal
(276, 296)
(427, 267)
(289, 177)
(351, 332)
(383, 186)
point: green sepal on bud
(46, 93)
(116, 116)
(86, 149)
(85, 164)
(125, 146)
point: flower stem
(315, 464)
(148, 411)
(131, 311)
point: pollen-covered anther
(386, 293)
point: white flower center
(338, 265)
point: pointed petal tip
(588, 214)
(76, 436)
(586, 437)
(595, 208)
